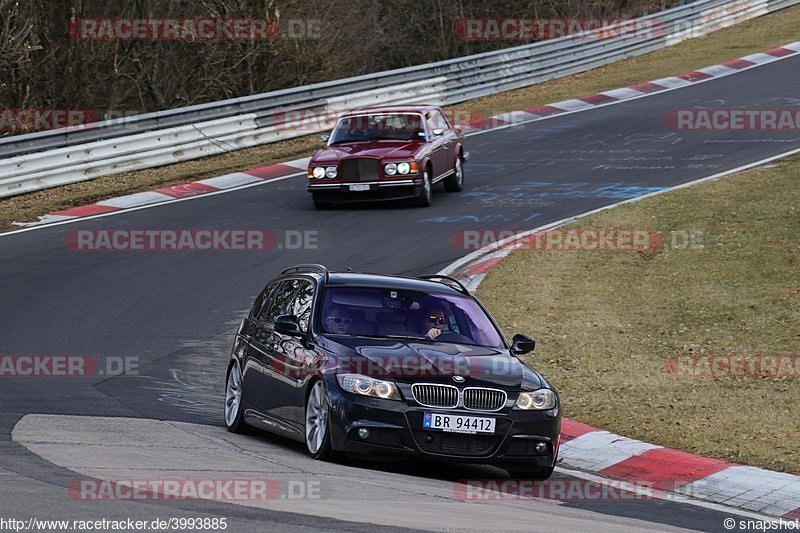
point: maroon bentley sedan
(388, 153)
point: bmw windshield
(407, 314)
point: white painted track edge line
(508, 241)
(149, 206)
(644, 95)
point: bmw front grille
(450, 397)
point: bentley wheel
(455, 182)
(425, 195)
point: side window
(301, 302)
(439, 121)
(429, 123)
(276, 302)
(261, 301)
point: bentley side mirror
(325, 137)
(288, 325)
(522, 344)
(438, 132)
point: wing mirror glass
(522, 344)
(288, 325)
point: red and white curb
(746, 488)
(502, 120)
(185, 190)
(611, 456)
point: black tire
(425, 196)
(455, 182)
(235, 422)
(539, 474)
(321, 451)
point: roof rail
(458, 285)
(309, 267)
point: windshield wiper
(407, 337)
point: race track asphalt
(175, 312)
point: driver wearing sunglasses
(433, 321)
(337, 319)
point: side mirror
(288, 325)
(438, 132)
(522, 344)
(325, 137)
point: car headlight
(390, 169)
(318, 172)
(538, 400)
(403, 168)
(331, 172)
(366, 386)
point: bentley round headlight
(319, 172)
(331, 172)
(403, 168)
(390, 169)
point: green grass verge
(752, 36)
(607, 323)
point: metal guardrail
(44, 159)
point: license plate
(359, 187)
(458, 423)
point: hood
(412, 361)
(379, 149)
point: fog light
(540, 448)
(363, 433)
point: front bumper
(378, 191)
(395, 429)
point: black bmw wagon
(376, 366)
